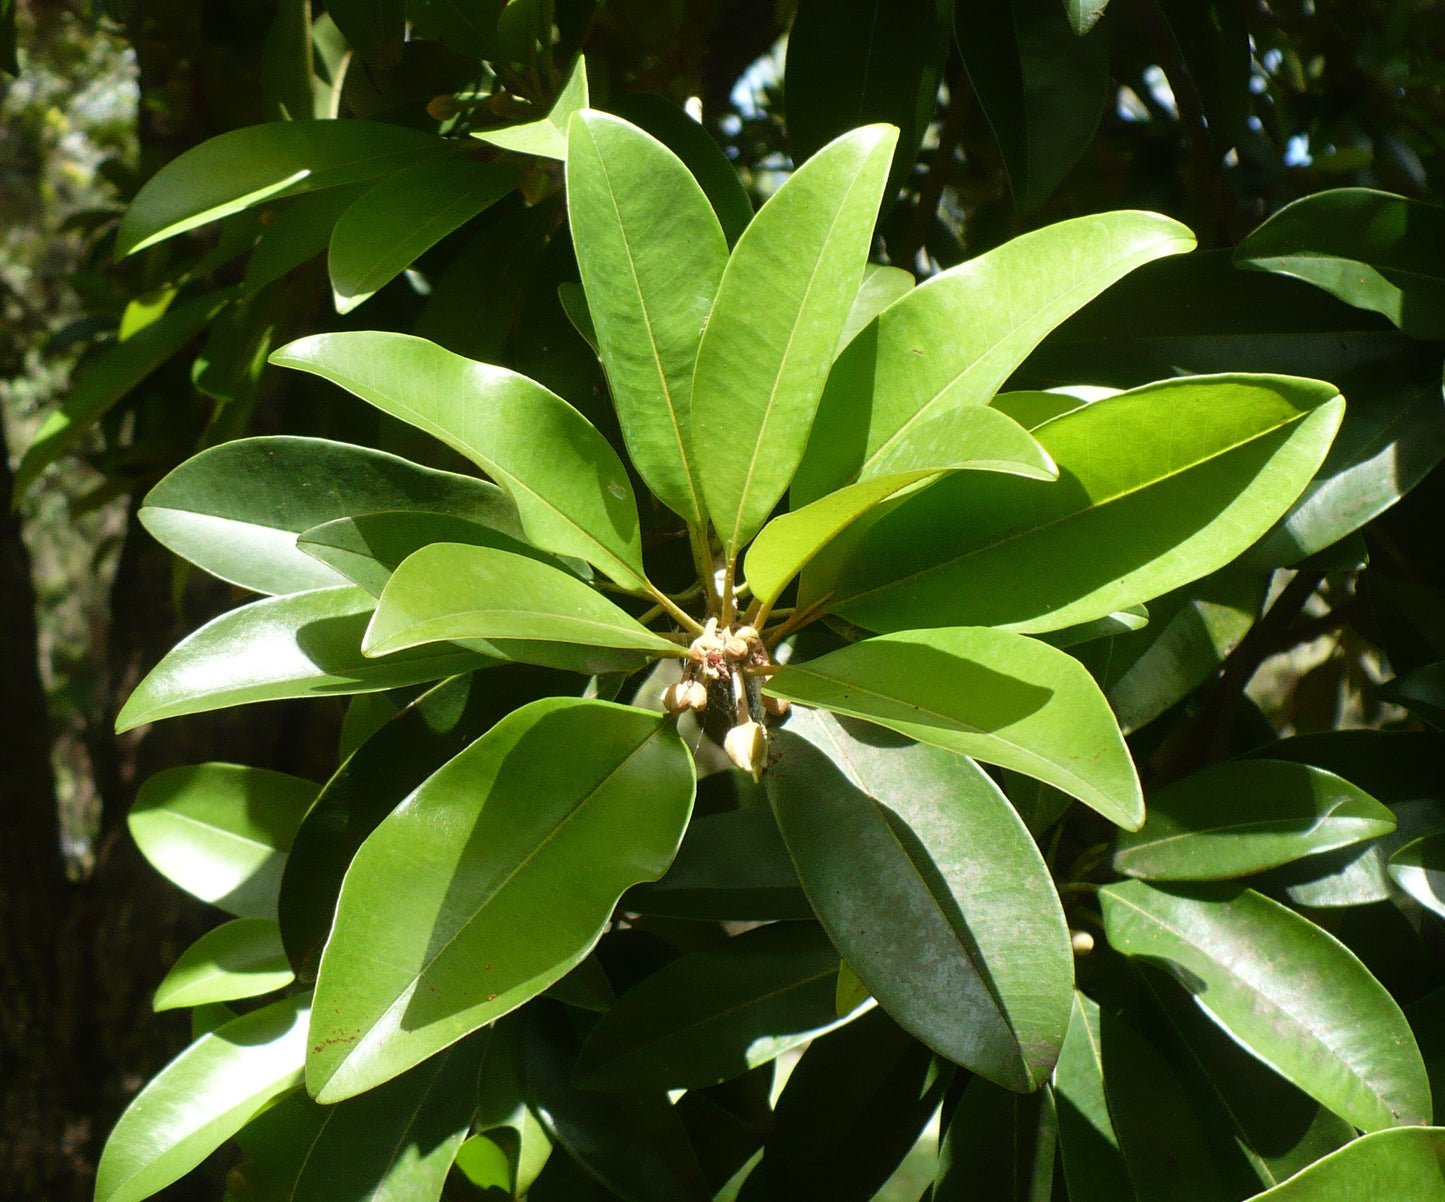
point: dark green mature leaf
(761, 368)
(1371, 249)
(897, 395)
(375, 29)
(296, 231)
(405, 214)
(236, 510)
(511, 606)
(568, 485)
(651, 254)
(861, 61)
(968, 953)
(239, 959)
(286, 64)
(1041, 86)
(1144, 503)
(515, 852)
(547, 136)
(302, 645)
(1407, 1165)
(695, 146)
(852, 1108)
(1084, 14)
(713, 1014)
(244, 167)
(201, 1098)
(1284, 989)
(1419, 869)
(999, 697)
(466, 26)
(998, 1145)
(109, 377)
(274, 1143)
(221, 831)
(1245, 816)
(1093, 1165)
(1422, 692)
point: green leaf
(568, 485)
(857, 62)
(236, 510)
(852, 1108)
(1371, 249)
(1422, 692)
(286, 79)
(695, 146)
(881, 286)
(515, 853)
(201, 1098)
(9, 58)
(368, 548)
(1172, 500)
(1084, 14)
(107, 378)
(510, 606)
(546, 137)
(1407, 1165)
(1093, 1165)
(239, 959)
(467, 26)
(1040, 85)
(397, 1141)
(1419, 869)
(998, 1145)
(651, 254)
(894, 396)
(302, 645)
(296, 230)
(713, 1014)
(885, 840)
(1285, 990)
(732, 866)
(999, 697)
(375, 29)
(1245, 816)
(241, 168)
(405, 214)
(761, 368)
(221, 831)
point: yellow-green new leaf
(651, 253)
(571, 491)
(781, 307)
(546, 136)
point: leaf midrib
(1317, 822)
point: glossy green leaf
(732, 866)
(546, 136)
(881, 286)
(302, 645)
(244, 167)
(999, 697)
(1407, 1165)
(1084, 14)
(568, 485)
(856, 62)
(275, 1144)
(998, 1145)
(695, 146)
(507, 605)
(1371, 249)
(761, 368)
(398, 1140)
(1093, 1165)
(109, 377)
(1041, 86)
(405, 214)
(201, 1098)
(286, 92)
(715, 1013)
(1143, 505)
(1419, 869)
(221, 831)
(852, 1108)
(1422, 692)
(368, 548)
(239, 959)
(1245, 816)
(515, 852)
(296, 231)
(893, 396)
(1284, 989)
(981, 439)
(969, 954)
(236, 510)
(651, 254)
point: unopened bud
(748, 634)
(675, 697)
(735, 647)
(1082, 942)
(747, 747)
(777, 706)
(696, 695)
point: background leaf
(239, 959)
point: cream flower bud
(777, 706)
(675, 697)
(695, 695)
(747, 747)
(735, 647)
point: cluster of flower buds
(730, 660)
